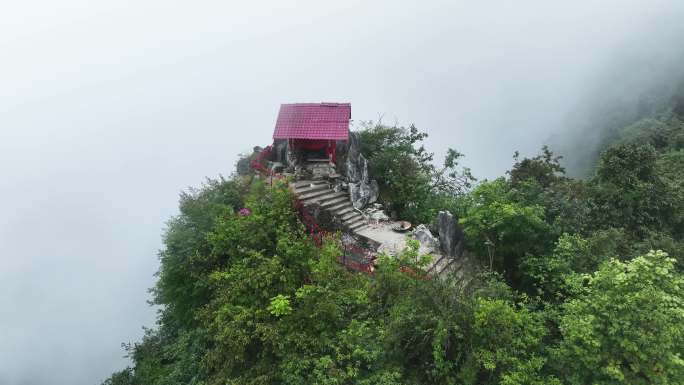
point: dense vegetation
(583, 279)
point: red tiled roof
(313, 121)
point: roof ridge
(324, 104)
(313, 121)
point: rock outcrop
(362, 190)
(451, 236)
(428, 242)
(363, 193)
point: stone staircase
(338, 204)
(458, 267)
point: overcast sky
(109, 109)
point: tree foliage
(501, 228)
(570, 293)
(410, 184)
(627, 325)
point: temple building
(308, 134)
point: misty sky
(109, 110)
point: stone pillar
(451, 238)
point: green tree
(409, 182)
(124, 377)
(506, 346)
(503, 230)
(181, 287)
(553, 277)
(545, 169)
(627, 326)
(257, 257)
(628, 192)
(541, 181)
(246, 297)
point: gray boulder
(451, 236)
(361, 194)
(427, 241)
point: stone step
(434, 265)
(344, 205)
(315, 194)
(353, 218)
(310, 188)
(349, 214)
(320, 197)
(363, 228)
(342, 209)
(354, 222)
(304, 183)
(334, 201)
(357, 225)
(331, 196)
(453, 266)
(438, 265)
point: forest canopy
(582, 278)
